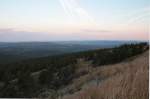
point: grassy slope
(125, 80)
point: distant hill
(12, 52)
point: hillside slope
(67, 74)
(125, 80)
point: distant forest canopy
(16, 79)
(16, 51)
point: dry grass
(126, 80)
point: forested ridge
(30, 77)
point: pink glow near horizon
(74, 20)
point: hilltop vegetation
(32, 77)
(125, 80)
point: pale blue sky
(74, 19)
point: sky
(59, 20)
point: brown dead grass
(126, 80)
